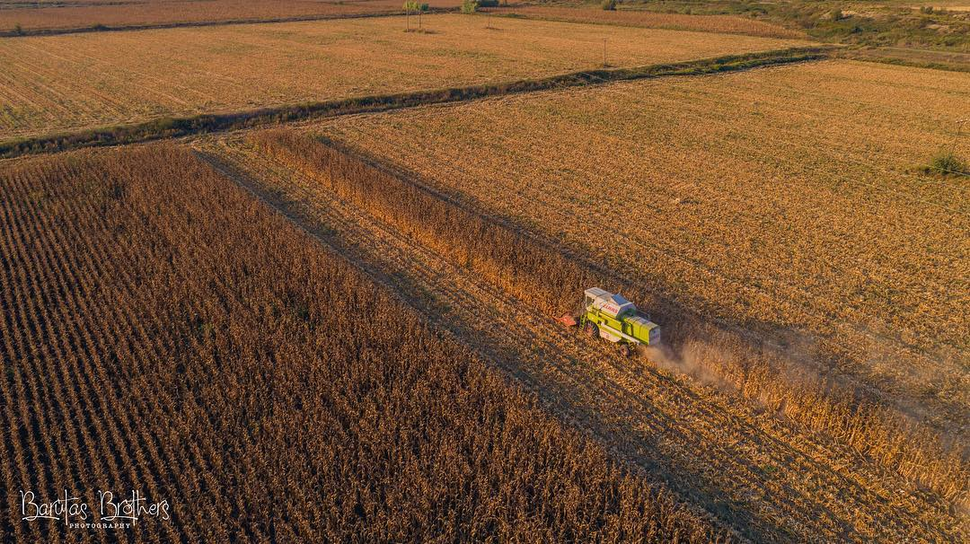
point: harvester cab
(614, 318)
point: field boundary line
(173, 127)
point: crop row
(550, 279)
(165, 332)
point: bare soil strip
(755, 472)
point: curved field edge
(550, 279)
(209, 123)
(233, 359)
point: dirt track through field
(751, 470)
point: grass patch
(947, 163)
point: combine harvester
(616, 319)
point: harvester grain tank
(616, 319)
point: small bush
(837, 15)
(18, 30)
(947, 163)
(609, 5)
(469, 6)
(926, 9)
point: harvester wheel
(626, 349)
(591, 330)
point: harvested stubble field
(772, 480)
(164, 331)
(60, 83)
(32, 18)
(780, 199)
(726, 24)
(812, 228)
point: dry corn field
(164, 331)
(674, 21)
(286, 272)
(60, 83)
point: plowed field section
(762, 475)
(57, 83)
(785, 201)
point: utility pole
(957, 133)
(956, 136)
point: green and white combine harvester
(614, 318)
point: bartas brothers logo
(112, 512)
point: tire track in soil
(749, 469)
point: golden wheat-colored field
(784, 201)
(60, 83)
